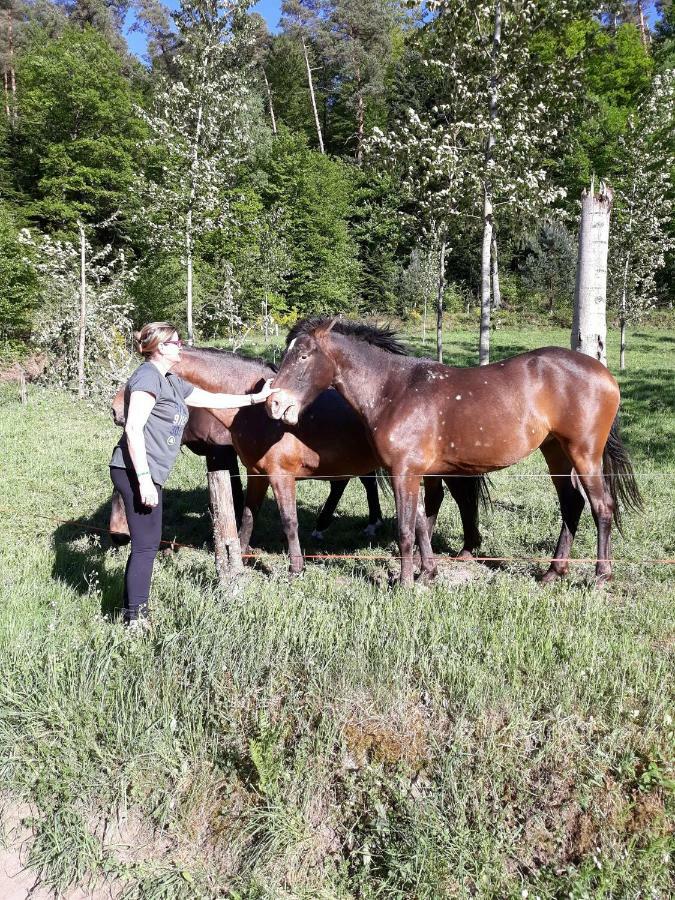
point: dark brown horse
(425, 419)
(330, 444)
(206, 436)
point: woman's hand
(266, 392)
(148, 491)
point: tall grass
(330, 736)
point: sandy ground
(16, 881)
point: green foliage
(77, 135)
(616, 75)
(18, 281)
(314, 196)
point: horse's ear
(330, 325)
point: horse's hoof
(372, 529)
(465, 555)
(551, 576)
(602, 579)
(426, 576)
(119, 539)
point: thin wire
(377, 556)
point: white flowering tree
(201, 126)
(83, 319)
(507, 89)
(641, 234)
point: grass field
(330, 736)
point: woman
(155, 404)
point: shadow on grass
(80, 547)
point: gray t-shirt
(164, 429)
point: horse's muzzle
(283, 406)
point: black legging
(145, 528)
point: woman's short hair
(152, 335)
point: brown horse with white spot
(425, 419)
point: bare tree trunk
(589, 326)
(5, 81)
(269, 100)
(311, 95)
(12, 70)
(188, 260)
(225, 536)
(643, 29)
(193, 196)
(360, 127)
(496, 291)
(83, 314)
(484, 341)
(439, 301)
(624, 288)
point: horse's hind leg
(588, 465)
(369, 482)
(465, 492)
(118, 527)
(571, 506)
(325, 517)
(433, 497)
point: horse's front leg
(283, 485)
(256, 488)
(406, 494)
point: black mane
(384, 338)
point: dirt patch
(30, 368)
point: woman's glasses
(177, 343)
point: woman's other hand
(148, 491)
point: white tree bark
(439, 302)
(311, 95)
(589, 326)
(496, 291)
(83, 314)
(484, 343)
(271, 105)
(192, 199)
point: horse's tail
(619, 474)
(384, 481)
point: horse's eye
(303, 357)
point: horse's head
(117, 408)
(305, 371)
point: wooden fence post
(22, 388)
(225, 536)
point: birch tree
(202, 123)
(589, 325)
(506, 92)
(642, 233)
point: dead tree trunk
(643, 29)
(225, 536)
(311, 95)
(83, 314)
(271, 105)
(439, 302)
(589, 326)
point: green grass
(331, 737)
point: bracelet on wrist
(252, 400)
(140, 474)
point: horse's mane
(218, 351)
(384, 338)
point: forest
(377, 158)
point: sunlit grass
(332, 736)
